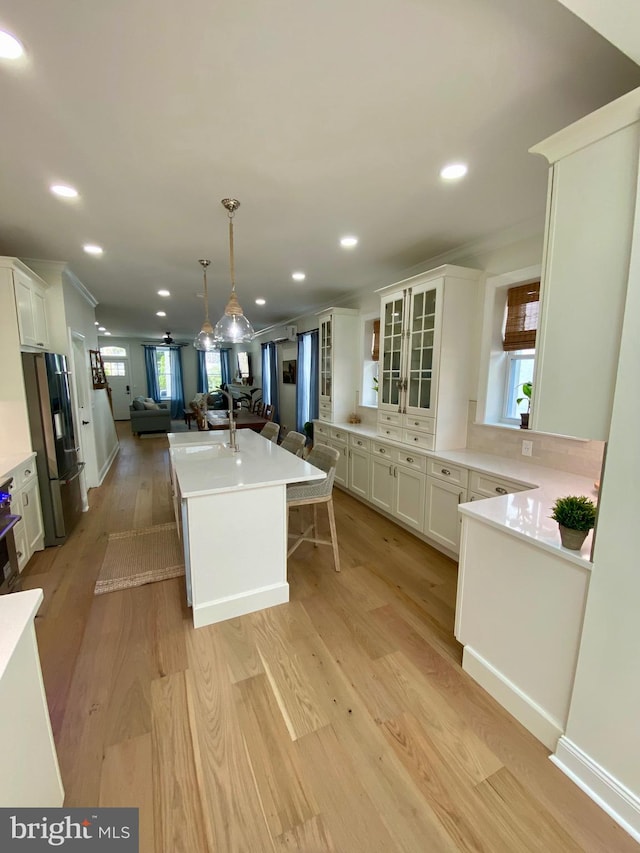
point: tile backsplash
(564, 454)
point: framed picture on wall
(289, 372)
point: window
(163, 362)
(519, 370)
(214, 369)
(244, 369)
(119, 352)
(115, 368)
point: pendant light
(233, 327)
(205, 340)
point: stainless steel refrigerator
(46, 379)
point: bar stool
(294, 442)
(271, 432)
(314, 493)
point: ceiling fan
(166, 338)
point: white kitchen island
(231, 509)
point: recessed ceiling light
(261, 301)
(298, 276)
(64, 191)
(163, 293)
(92, 249)
(102, 328)
(10, 47)
(348, 242)
(108, 334)
(96, 323)
(453, 171)
(161, 313)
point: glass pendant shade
(205, 340)
(233, 327)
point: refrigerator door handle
(76, 475)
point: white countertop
(17, 612)
(204, 465)
(524, 514)
(9, 461)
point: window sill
(528, 431)
(367, 406)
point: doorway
(118, 373)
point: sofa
(149, 416)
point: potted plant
(576, 515)
(308, 431)
(527, 387)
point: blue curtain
(203, 380)
(307, 386)
(225, 366)
(153, 389)
(270, 377)
(177, 389)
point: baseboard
(532, 716)
(604, 789)
(238, 605)
(107, 465)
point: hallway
(341, 721)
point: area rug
(137, 557)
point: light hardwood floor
(341, 721)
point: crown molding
(62, 269)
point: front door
(117, 370)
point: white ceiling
(323, 118)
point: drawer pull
(416, 423)
(382, 450)
(415, 438)
(445, 471)
(27, 472)
(409, 458)
(500, 490)
(388, 432)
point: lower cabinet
(32, 515)
(443, 521)
(342, 467)
(359, 472)
(25, 502)
(382, 483)
(399, 491)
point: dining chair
(314, 493)
(294, 442)
(271, 432)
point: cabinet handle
(388, 432)
(39, 344)
(395, 471)
(416, 423)
(460, 497)
(445, 471)
(25, 498)
(19, 555)
(500, 490)
(359, 443)
(382, 450)
(27, 472)
(415, 438)
(409, 458)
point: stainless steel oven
(9, 571)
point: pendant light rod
(205, 262)
(233, 326)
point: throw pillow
(151, 406)
(138, 405)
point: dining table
(243, 420)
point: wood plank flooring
(340, 722)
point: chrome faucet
(233, 441)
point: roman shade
(523, 302)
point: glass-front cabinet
(337, 364)
(409, 350)
(325, 359)
(425, 354)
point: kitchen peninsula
(231, 511)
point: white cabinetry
(425, 339)
(30, 299)
(359, 466)
(446, 489)
(338, 379)
(25, 502)
(589, 232)
(490, 486)
(398, 484)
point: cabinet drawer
(339, 435)
(418, 424)
(419, 439)
(394, 418)
(25, 473)
(411, 460)
(382, 450)
(325, 412)
(450, 473)
(392, 432)
(490, 486)
(359, 441)
(321, 429)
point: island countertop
(206, 465)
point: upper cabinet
(337, 368)
(30, 296)
(425, 357)
(588, 239)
